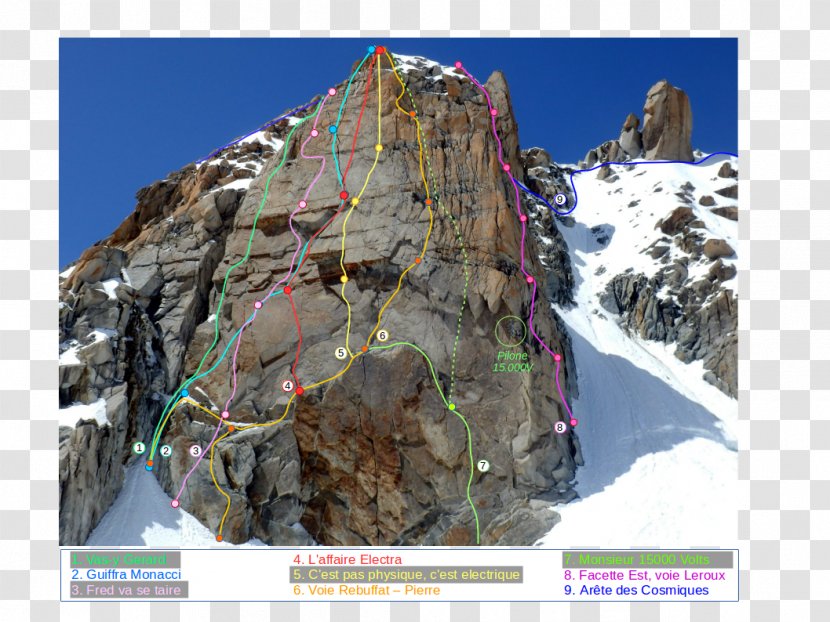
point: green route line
(336, 125)
(451, 407)
(184, 385)
(460, 239)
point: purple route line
(258, 304)
(523, 219)
(259, 129)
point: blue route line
(336, 125)
(259, 129)
(588, 170)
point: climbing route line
(259, 129)
(302, 204)
(181, 396)
(629, 163)
(523, 220)
(182, 390)
(458, 236)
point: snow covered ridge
(421, 64)
(239, 164)
(658, 243)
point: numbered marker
(483, 466)
(340, 353)
(560, 199)
(383, 335)
(166, 451)
(288, 386)
(560, 427)
(195, 451)
(139, 448)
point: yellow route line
(355, 200)
(428, 201)
(352, 358)
(218, 487)
(198, 405)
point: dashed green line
(451, 407)
(446, 213)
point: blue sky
(132, 110)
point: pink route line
(523, 219)
(258, 305)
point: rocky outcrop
(667, 125)
(666, 133)
(701, 317)
(128, 308)
(373, 456)
(631, 141)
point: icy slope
(658, 441)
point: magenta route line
(304, 201)
(258, 304)
(523, 220)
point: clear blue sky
(132, 110)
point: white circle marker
(560, 427)
(139, 448)
(166, 451)
(195, 451)
(288, 386)
(383, 335)
(340, 353)
(483, 466)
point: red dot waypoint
(380, 50)
(300, 390)
(286, 290)
(344, 195)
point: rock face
(631, 141)
(667, 125)
(373, 456)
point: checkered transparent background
(784, 307)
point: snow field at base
(142, 516)
(658, 441)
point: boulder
(677, 220)
(716, 248)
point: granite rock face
(372, 457)
(667, 125)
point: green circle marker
(451, 406)
(520, 341)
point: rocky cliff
(372, 456)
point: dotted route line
(364, 349)
(523, 220)
(465, 264)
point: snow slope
(142, 516)
(658, 441)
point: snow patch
(142, 516)
(95, 411)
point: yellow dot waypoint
(355, 201)
(344, 279)
(378, 147)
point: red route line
(299, 335)
(359, 118)
(326, 225)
